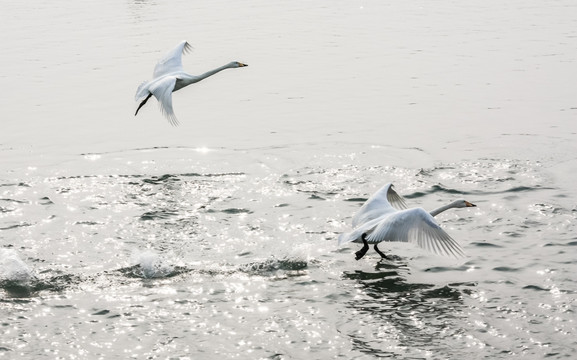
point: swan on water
(385, 217)
(169, 76)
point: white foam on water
(152, 265)
(13, 269)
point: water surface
(122, 236)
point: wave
(273, 265)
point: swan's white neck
(187, 79)
(443, 208)
(212, 72)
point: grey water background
(123, 237)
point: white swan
(169, 76)
(385, 217)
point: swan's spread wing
(415, 226)
(172, 62)
(384, 201)
(141, 92)
(162, 91)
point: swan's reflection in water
(396, 318)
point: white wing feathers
(382, 202)
(415, 226)
(162, 91)
(141, 92)
(172, 62)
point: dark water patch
(316, 197)
(156, 180)
(438, 188)
(445, 292)
(157, 215)
(419, 315)
(274, 265)
(31, 287)
(236, 211)
(16, 289)
(58, 283)
(506, 269)
(213, 174)
(231, 211)
(357, 199)
(466, 288)
(15, 226)
(485, 244)
(46, 201)
(281, 205)
(101, 312)
(415, 195)
(15, 201)
(88, 223)
(384, 282)
(21, 184)
(512, 234)
(442, 189)
(535, 287)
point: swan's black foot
(359, 254)
(381, 253)
(142, 103)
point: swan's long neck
(442, 208)
(191, 79)
(212, 72)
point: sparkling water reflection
(121, 237)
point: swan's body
(385, 217)
(169, 76)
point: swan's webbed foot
(359, 254)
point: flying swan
(169, 76)
(385, 217)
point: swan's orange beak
(241, 64)
(469, 204)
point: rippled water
(125, 237)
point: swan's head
(236, 64)
(461, 203)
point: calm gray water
(124, 237)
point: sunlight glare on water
(124, 237)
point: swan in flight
(385, 217)
(169, 76)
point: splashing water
(152, 266)
(13, 270)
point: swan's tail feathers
(142, 92)
(345, 238)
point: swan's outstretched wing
(384, 201)
(162, 91)
(141, 92)
(415, 226)
(172, 62)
